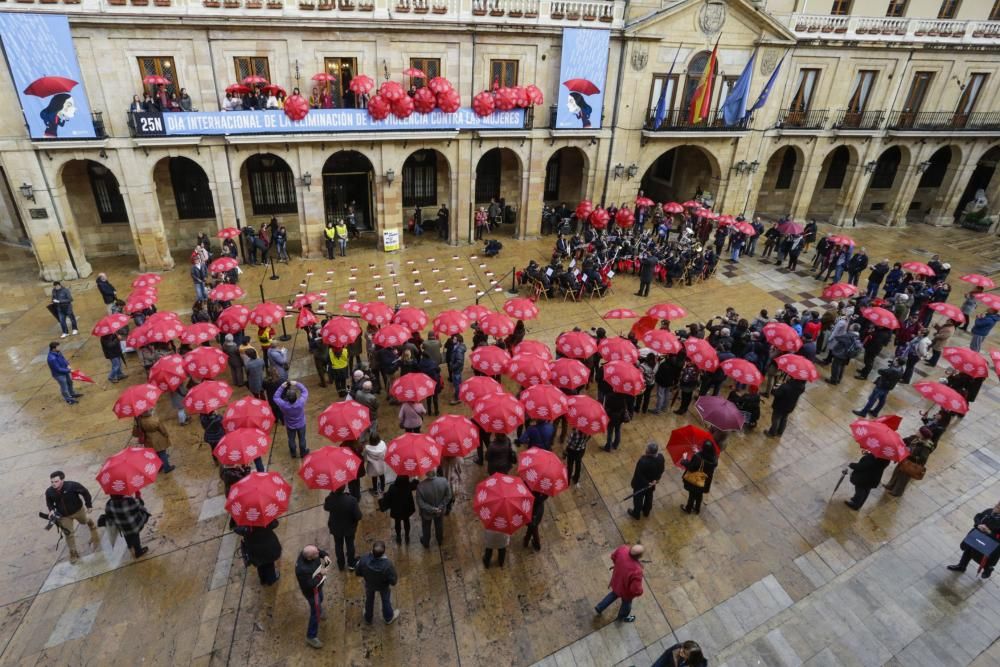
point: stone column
(463, 180)
(896, 216)
(532, 194)
(392, 214)
(849, 202)
(808, 179)
(145, 220)
(943, 209)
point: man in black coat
(855, 265)
(343, 524)
(784, 398)
(866, 475)
(380, 576)
(874, 345)
(648, 471)
(646, 268)
(988, 523)
(262, 549)
(886, 381)
(66, 501)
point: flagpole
(663, 89)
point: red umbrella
(307, 299)
(414, 319)
(439, 84)
(340, 331)
(455, 435)
(241, 446)
(568, 373)
(168, 372)
(542, 471)
(205, 363)
(528, 369)
(950, 311)
(505, 99)
(995, 358)
(892, 421)
(919, 268)
(258, 499)
(667, 311)
(841, 240)
(164, 316)
(544, 401)
(742, 371)
(582, 86)
(979, 281)
(503, 503)
(534, 94)
(701, 354)
(624, 378)
(690, 203)
(620, 314)
(252, 79)
(109, 324)
(476, 312)
(412, 387)
(745, 228)
(305, 319)
(344, 421)
(237, 89)
(520, 308)
(672, 208)
(155, 80)
(273, 89)
(392, 335)
(248, 413)
(413, 454)
(351, 307)
(498, 414)
(129, 470)
(155, 331)
(233, 319)
(576, 345)
(483, 104)
(840, 291)
(137, 302)
(478, 387)
(223, 264)
(989, 300)
(147, 280)
(47, 86)
(228, 233)
(535, 347)
(451, 322)
(599, 218)
(643, 201)
(782, 336)
(879, 439)
(720, 413)
(226, 292)
(644, 325)
(686, 441)
(198, 333)
(661, 341)
(586, 415)
(414, 73)
(376, 313)
(449, 101)
(391, 91)
(207, 397)
(943, 395)
(361, 84)
(497, 325)
(726, 220)
(880, 317)
(329, 467)
(136, 400)
(624, 218)
(790, 228)
(798, 367)
(618, 349)
(424, 100)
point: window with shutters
(949, 8)
(970, 95)
(502, 73)
(804, 90)
(896, 9)
(841, 7)
(429, 66)
(272, 186)
(107, 196)
(159, 66)
(665, 86)
(252, 66)
(420, 179)
(862, 91)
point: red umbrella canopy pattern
(233, 319)
(949, 310)
(782, 336)
(266, 314)
(248, 413)
(880, 317)
(840, 291)
(168, 372)
(879, 439)
(136, 400)
(497, 325)
(330, 467)
(503, 503)
(241, 447)
(501, 413)
(392, 335)
(528, 369)
(476, 312)
(568, 373)
(109, 324)
(340, 331)
(208, 397)
(147, 280)
(966, 361)
(576, 345)
(477, 388)
(586, 415)
(667, 311)
(943, 395)
(542, 471)
(414, 319)
(198, 333)
(129, 470)
(624, 378)
(376, 313)
(203, 363)
(544, 401)
(620, 314)
(701, 354)
(686, 441)
(226, 292)
(258, 499)
(742, 371)
(618, 349)
(412, 387)
(662, 341)
(797, 367)
(343, 421)
(413, 454)
(490, 360)
(535, 347)
(451, 322)
(455, 435)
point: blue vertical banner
(42, 61)
(582, 76)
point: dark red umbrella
(790, 228)
(129, 471)
(439, 84)
(248, 413)
(618, 349)
(168, 372)
(535, 347)
(544, 401)
(568, 373)
(329, 467)
(742, 371)
(241, 447)
(599, 218)
(208, 397)
(497, 325)
(343, 421)
(720, 413)
(782, 336)
(412, 387)
(701, 354)
(892, 421)
(392, 335)
(673, 208)
(226, 292)
(379, 108)
(48, 86)
(198, 333)
(340, 331)
(204, 363)
(582, 86)
(155, 80)
(500, 413)
(238, 89)
(880, 317)
(646, 201)
(662, 341)
(586, 415)
(258, 499)
(305, 319)
(361, 84)
(136, 400)
(228, 233)
(879, 439)
(686, 441)
(267, 314)
(489, 360)
(451, 322)
(576, 345)
(413, 454)
(391, 91)
(273, 89)
(478, 387)
(254, 79)
(624, 378)
(840, 291)
(542, 471)
(798, 367)
(966, 361)
(455, 435)
(918, 268)
(233, 319)
(624, 218)
(376, 313)
(943, 395)
(841, 240)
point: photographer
(129, 516)
(66, 502)
(310, 571)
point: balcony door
(967, 103)
(805, 89)
(915, 98)
(858, 102)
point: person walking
(626, 581)
(379, 576)
(291, 398)
(345, 514)
(129, 516)
(62, 300)
(576, 447)
(988, 523)
(494, 540)
(531, 534)
(107, 290)
(111, 346)
(886, 381)
(784, 400)
(920, 446)
(982, 327)
(398, 499)
(617, 406)
(69, 503)
(433, 497)
(697, 478)
(62, 373)
(648, 471)
(310, 572)
(262, 549)
(866, 475)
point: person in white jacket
(375, 463)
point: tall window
(488, 176)
(862, 91)
(787, 171)
(251, 66)
(897, 8)
(429, 66)
(503, 73)
(949, 8)
(837, 170)
(669, 97)
(970, 95)
(343, 70)
(107, 196)
(159, 66)
(192, 194)
(841, 7)
(918, 91)
(552, 178)
(995, 12)
(695, 70)
(272, 186)
(727, 85)
(804, 90)
(420, 179)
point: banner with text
(582, 74)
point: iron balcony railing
(863, 120)
(97, 117)
(676, 120)
(814, 119)
(944, 121)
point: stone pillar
(392, 206)
(532, 195)
(896, 216)
(463, 179)
(943, 209)
(849, 202)
(808, 179)
(145, 220)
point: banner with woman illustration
(582, 76)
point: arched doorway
(829, 198)
(498, 178)
(98, 210)
(935, 171)
(186, 201)
(268, 190)
(884, 184)
(780, 182)
(427, 186)
(982, 178)
(681, 174)
(566, 177)
(348, 186)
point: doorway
(348, 183)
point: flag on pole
(702, 98)
(734, 109)
(661, 105)
(762, 100)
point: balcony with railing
(944, 121)
(854, 120)
(676, 120)
(814, 119)
(888, 29)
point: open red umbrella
(701, 354)
(439, 84)
(726, 220)
(228, 233)
(376, 313)
(392, 335)
(720, 413)
(798, 367)
(361, 84)
(147, 280)
(599, 218)
(618, 349)
(266, 314)
(198, 333)
(576, 345)
(329, 467)
(880, 317)
(841, 240)
(995, 358)
(208, 397)
(414, 319)
(497, 325)
(879, 439)
(782, 336)
(237, 89)
(528, 369)
(414, 73)
(918, 268)
(478, 387)
(233, 319)
(943, 395)
(340, 331)
(343, 421)
(307, 299)
(273, 89)
(305, 319)
(951, 311)
(241, 446)
(661, 341)
(164, 316)
(840, 291)
(582, 86)
(567, 373)
(48, 86)
(455, 435)
(624, 218)
(248, 413)
(155, 80)
(139, 301)
(667, 311)
(542, 471)
(988, 300)
(391, 91)
(586, 415)
(672, 208)
(620, 314)
(644, 201)
(412, 387)
(205, 363)
(154, 331)
(168, 372)
(413, 454)
(584, 209)
(742, 371)
(136, 400)
(129, 470)
(544, 401)
(451, 322)
(624, 378)
(745, 228)
(501, 413)
(324, 77)
(892, 421)
(686, 441)
(258, 499)
(966, 361)
(253, 79)
(226, 292)
(503, 503)
(535, 347)
(476, 312)
(489, 360)
(520, 308)
(790, 228)
(109, 324)
(979, 280)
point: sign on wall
(46, 73)
(582, 76)
(318, 120)
(390, 240)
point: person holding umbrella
(698, 473)
(626, 581)
(495, 540)
(129, 516)
(262, 549)
(155, 436)
(886, 381)
(866, 475)
(785, 398)
(920, 446)
(648, 471)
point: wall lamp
(744, 167)
(923, 166)
(390, 175)
(870, 166)
(633, 170)
(306, 180)
(619, 170)
(28, 192)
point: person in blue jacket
(62, 373)
(982, 327)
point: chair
(538, 290)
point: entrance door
(342, 190)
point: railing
(98, 119)
(889, 29)
(853, 120)
(510, 8)
(802, 120)
(677, 120)
(944, 121)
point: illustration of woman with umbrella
(60, 108)
(579, 108)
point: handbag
(912, 469)
(697, 478)
(983, 544)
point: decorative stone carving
(712, 17)
(640, 56)
(768, 61)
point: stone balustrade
(888, 29)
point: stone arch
(94, 210)
(885, 183)
(349, 185)
(566, 176)
(679, 173)
(781, 181)
(186, 200)
(984, 177)
(830, 196)
(426, 181)
(500, 175)
(267, 188)
(936, 174)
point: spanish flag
(702, 98)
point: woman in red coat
(626, 581)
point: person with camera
(69, 502)
(310, 572)
(129, 516)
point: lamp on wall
(306, 180)
(28, 192)
(870, 166)
(742, 167)
(390, 175)
(923, 166)
(619, 170)
(633, 169)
